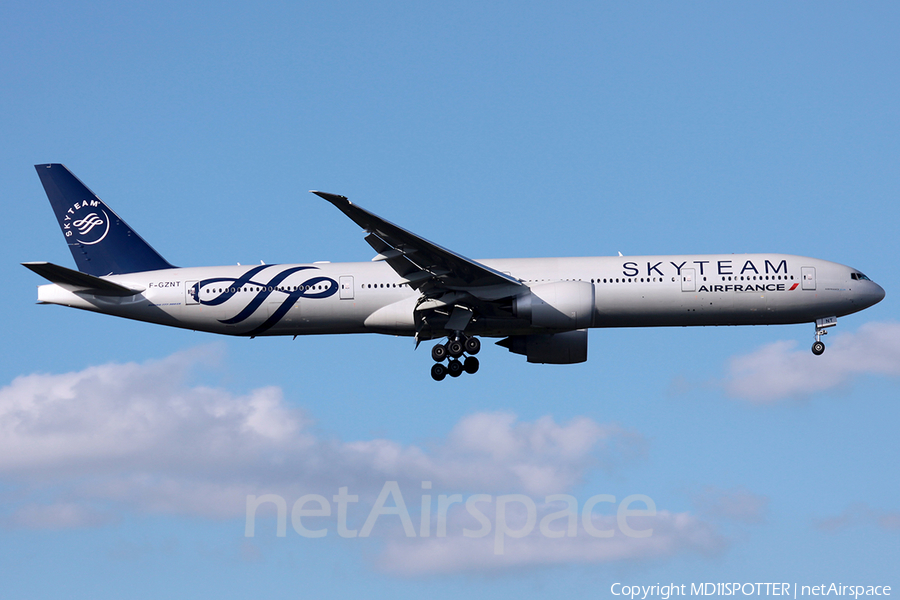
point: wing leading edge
(426, 266)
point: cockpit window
(859, 276)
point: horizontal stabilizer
(77, 281)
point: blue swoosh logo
(233, 285)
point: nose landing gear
(455, 348)
(822, 326)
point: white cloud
(673, 534)
(86, 448)
(142, 417)
(59, 515)
(494, 451)
(140, 437)
(858, 515)
(779, 371)
(733, 504)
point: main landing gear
(455, 348)
(822, 326)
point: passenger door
(809, 278)
(346, 283)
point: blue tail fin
(101, 242)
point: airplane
(541, 308)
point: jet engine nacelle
(555, 349)
(557, 305)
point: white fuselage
(631, 291)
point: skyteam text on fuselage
(538, 307)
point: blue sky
(498, 129)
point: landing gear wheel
(471, 365)
(822, 326)
(454, 368)
(438, 371)
(439, 353)
(473, 345)
(455, 348)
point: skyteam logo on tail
(87, 222)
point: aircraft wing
(426, 266)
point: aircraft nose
(878, 294)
